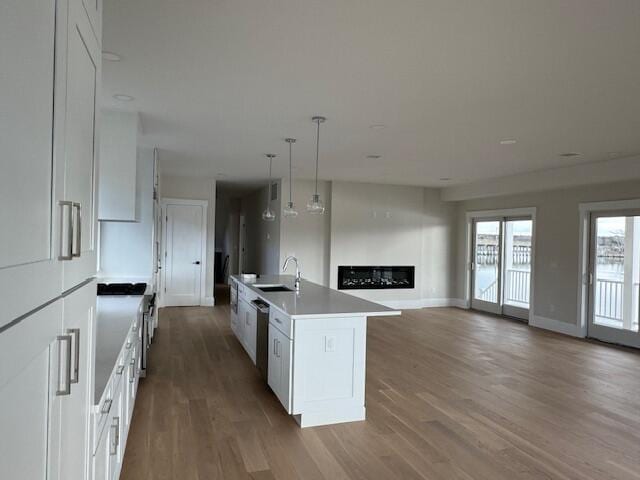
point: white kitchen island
(316, 346)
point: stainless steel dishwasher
(262, 337)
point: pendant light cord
(269, 199)
(290, 176)
(317, 151)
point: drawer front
(250, 295)
(102, 413)
(281, 321)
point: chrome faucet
(284, 269)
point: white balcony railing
(517, 286)
(608, 296)
(608, 299)
(516, 289)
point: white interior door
(614, 278)
(184, 268)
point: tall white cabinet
(50, 54)
(80, 147)
(30, 273)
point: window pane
(517, 262)
(487, 261)
(617, 272)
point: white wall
(227, 230)
(375, 224)
(197, 188)
(262, 249)
(439, 254)
(307, 236)
(126, 247)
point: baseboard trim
(423, 303)
(556, 326)
(208, 302)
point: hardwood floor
(451, 394)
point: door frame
(469, 239)
(242, 244)
(165, 201)
(584, 214)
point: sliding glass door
(614, 278)
(502, 255)
(487, 259)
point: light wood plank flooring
(451, 394)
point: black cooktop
(121, 288)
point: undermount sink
(273, 288)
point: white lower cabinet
(46, 378)
(29, 356)
(112, 419)
(75, 409)
(247, 327)
(102, 457)
(279, 366)
(107, 460)
(116, 435)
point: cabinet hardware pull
(66, 253)
(278, 320)
(120, 370)
(106, 407)
(78, 232)
(66, 389)
(128, 345)
(115, 429)
(75, 371)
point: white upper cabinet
(118, 154)
(30, 274)
(93, 9)
(79, 223)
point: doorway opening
(501, 263)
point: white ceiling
(218, 83)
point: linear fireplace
(370, 278)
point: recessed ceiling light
(445, 179)
(374, 156)
(508, 141)
(570, 154)
(123, 98)
(378, 126)
(111, 57)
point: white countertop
(115, 315)
(313, 300)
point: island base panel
(342, 415)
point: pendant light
(269, 215)
(289, 210)
(316, 205)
